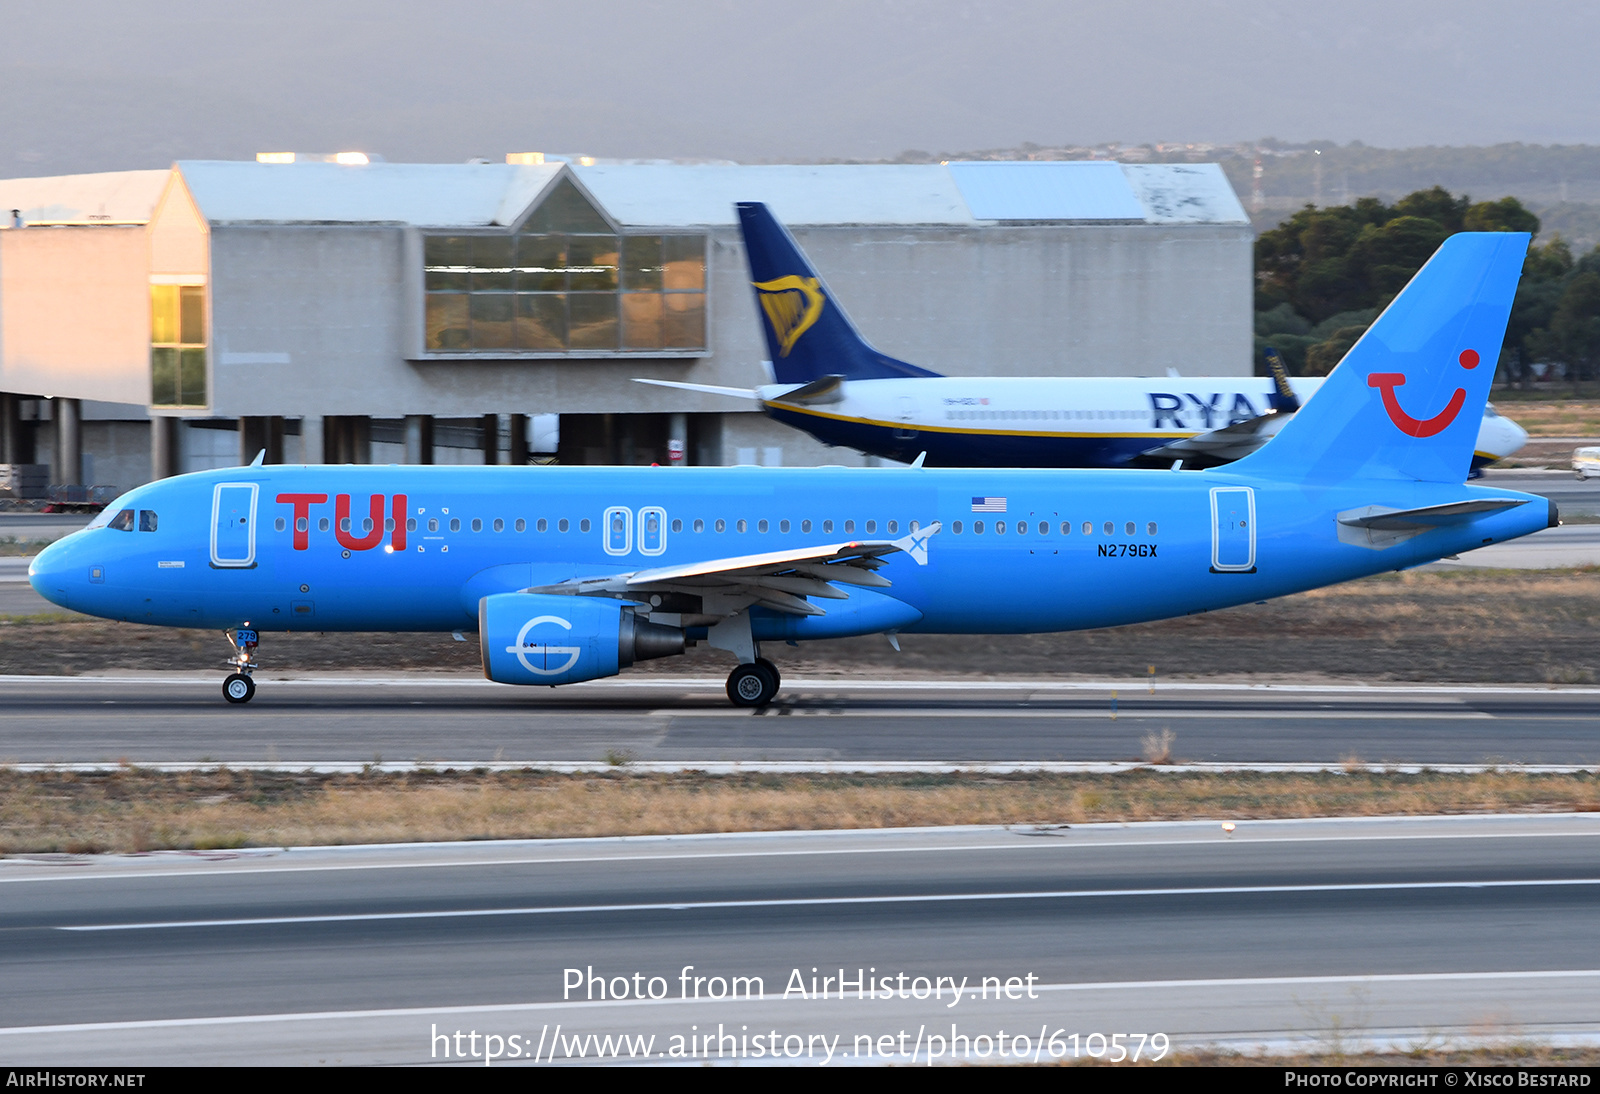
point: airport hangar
(155, 322)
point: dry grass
(1553, 417)
(135, 810)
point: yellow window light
(274, 157)
(525, 159)
(351, 159)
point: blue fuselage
(1057, 550)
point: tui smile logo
(1386, 382)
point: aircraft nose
(49, 573)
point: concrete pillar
(519, 440)
(347, 438)
(491, 438)
(166, 455)
(360, 438)
(68, 418)
(311, 439)
(419, 438)
(677, 440)
(261, 434)
(10, 428)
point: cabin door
(1233, 530)
(233, 525)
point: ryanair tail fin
(808, 334)
(1407, 400)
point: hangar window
(565, 281)
(177, 345)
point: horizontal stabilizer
(706, 389)
(828, 389)
(1230, 442)
(1378, 526)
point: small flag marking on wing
(988, 505)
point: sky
(114, 84)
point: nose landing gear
(239, 687)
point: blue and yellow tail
(1407, 400)
(808, 334)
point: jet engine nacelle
(533, 638)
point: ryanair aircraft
(832, 384)
(574, 573)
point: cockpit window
(122, 522)
(147, 520)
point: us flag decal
(988, 505)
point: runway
(1286, 933)
(454, 722)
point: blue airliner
(571, 574)
(831, 383)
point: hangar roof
(111, 197)
(649, 195)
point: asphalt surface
(452, 722)
(1283, 933)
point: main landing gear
(754, 684)
(239, 687)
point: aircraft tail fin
(1407, 400)
(808, 334)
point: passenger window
(1088, 528)
(677, 525)
(562, 524)
(783, 526)
(366, 524)
(543, 525)
(477, 524)
(894, 527)
(147, 521)
(584, 525)
(977, 527)
(1044, 528)
(1129, 528)
(123, 521)
(388, 524)
(411, 524)
(455, 524)
(913, 526)
(278, 525)
(827, 527)
(433, 524)
(761, 526)
(872, 526)
(805, 526)
(849, 527)
(999, 527)
(1066, 527)
(344, 524)
(1111, 529)
(741, 526)
(499, 525)
(1150, 528)
(699, 525)
(521, 525)
(721, 525)
(1022, 527)
(322, 525)
(302, 525)
(956, 527)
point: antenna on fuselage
(261, 458)
(918, 461)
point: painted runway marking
(833, 902)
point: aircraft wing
(780, 580)
(1231, 442)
